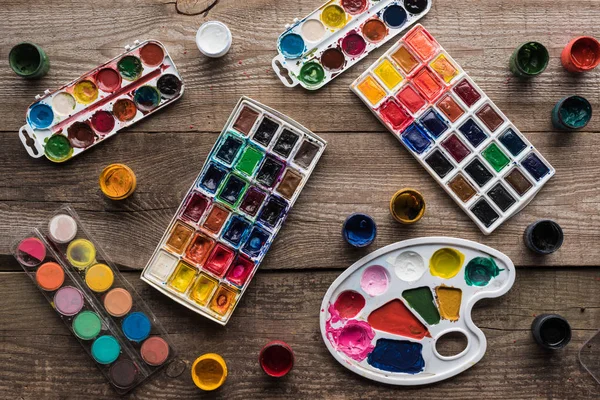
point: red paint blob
(152, 54)
(353, 44)
(467, 92)
(103, 122)
(411, 99)
(276, 359)
(349, 304)
(585, 53)
(219, 260)
(395, 318)
(394, 114)
(428, 84)
(195, 207)
(108, 80)
(240, 271)
(354, 6)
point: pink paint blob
(375, 280)
(353, 339)
(349, 303)
(353, 44)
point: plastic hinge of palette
(453, 129)
(79, 104)
(400, 15)
(232, 213)
(383, 317)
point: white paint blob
(408, 266)
(213, 39)
(375, 280)
(312, 30)
(63, 103)
(62, 228)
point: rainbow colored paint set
(453, 129)
(232, 213)
(101, 102)
(100, 308)
(382, 317)
(339, 34)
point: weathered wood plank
(40, 358)
(353, 175)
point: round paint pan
(108, 80)
(312, 30)
(353, 44)
(85, 92)
(291, 45)
(169, 86)
(312, 73)
(571, 113)
(130, 68)
(394, 16)
(118, 302)
(136, 326)
(359, 230)
(81, 253)
(209, 371)
(155, 351)
(99, 278)
(30, 252)
(276, 359)
(374, 30)
(106, 349)
(124, 110)
(152, 55)
(146, 98)
(63, 104)
(87, 325)
(407, 206)
(581, 54)
(551, 331)
(334, 16)
(103, 122)
(58, 148)
(81, 135)
(543, 237)
(354, 7)
(68, 300)
(40, 116)
(124, 374)
(333, 59)
(50, 276)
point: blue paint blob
(136, 326)
(433, 123)
(397, 356)
(359, 230)
(473, 132)
(536, 168)
(105, 349)
(146, 98)
(236, 231)
(513, 142)
(212, 178)
(256, 242)
(416, 139)
(291, 45)
(40, 116)
(394, 16)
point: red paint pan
(276, 359)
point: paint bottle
(571, 113)
(28, 60)
(359, 230)
(117, 181)
(276, 358)
(551, 331)
(407, 206)
(543, 236)
(209, 371)
(213, 39)
(529, 59)
(581, 54)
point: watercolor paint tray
(97, 105)
(339, 34)
(101, 309)
(453, 129)
(383, 316)
(230, 216)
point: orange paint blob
(395, 318)
(422, 43)
(50, 276)
(428, 84)
(117, 181)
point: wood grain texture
(40, 358)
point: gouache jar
(581, 54)
(117, 181)
(571, 113)
(529, 59)
(407, 206)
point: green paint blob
(495, 157)
(575, 112)
(312, 73)
(421, 300)
(87, 325)
(532, 58)
(249, 160)
(480, 270)
(58, 148)
(130, 67)
(106, 349)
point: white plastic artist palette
(383, 316)
(230, 216)
(86, 111)
(337, 35)
(453, 129)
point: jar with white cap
(213, 39)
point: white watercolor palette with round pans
(392, 336)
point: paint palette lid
(383, 317)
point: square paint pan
(86, 111)
(402, 299)
(457, 133)
(100, 308)
(232, 213)
(339, 34)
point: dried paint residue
(348, 304)
(353, 339)
(394, 317)
(374, 280)
(480, 270)
(421, 300)
(449, 300)
(397, 356)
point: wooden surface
(362, 167)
